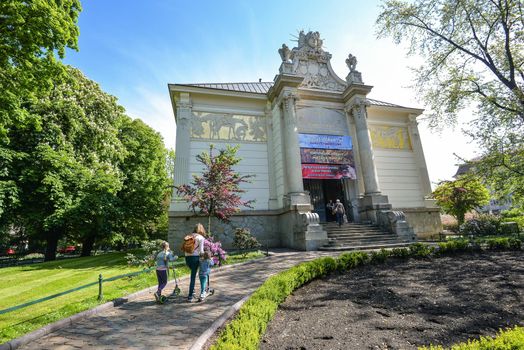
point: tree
(31, 35)
(473, 54)
(144, 196)
(216, 193)
(460, 196)
(67, 171)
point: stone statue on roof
(351, 62)
(285, 53)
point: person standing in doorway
(197, 237)
(330, 210)
(339, 212)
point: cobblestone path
(142, 324)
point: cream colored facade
(266, 119)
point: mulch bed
(404, 304)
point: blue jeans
(192, 262)
(203, 284)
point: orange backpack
(188, 246)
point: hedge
(510, 339)
(246, 329)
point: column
(369, 171)
(182, 149)
(292, 147)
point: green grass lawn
(22, 284)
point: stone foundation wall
(264, 227)
(425, 221)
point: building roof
(256, 87)
(262, 87)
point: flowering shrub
(219, 254)
(147, 258)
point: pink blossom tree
(217, 192)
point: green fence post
(100, 293)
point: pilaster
(183, 142)
(425, 183)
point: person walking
(330, 208)
(339, 212)
(204, 270)
(193, 247)
(162, 266)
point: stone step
(353, 236)
(364, 246)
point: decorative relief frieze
(219, 126)
(390, 137)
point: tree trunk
(51, 245)
(87, 245)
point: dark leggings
(161, 276)
(192, 262)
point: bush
(503, 243)
(454, 246)
(483, 225)
(380, 256)
(419, 250)
(244, 240)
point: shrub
(503, 243)
(400, 253)
(453, 246)
(348, 261)
(419, 250)
(146, 259)
(244, 240)
(380, 256)
(483, 225)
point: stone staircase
(354, 236)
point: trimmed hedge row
(246, 330)
(510, 339)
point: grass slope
(22, 284)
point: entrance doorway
(321, 191)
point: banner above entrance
(326, 156)
(325, 141)
(327, 171)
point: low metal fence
(100, 290)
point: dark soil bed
(404, 304)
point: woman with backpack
(193, 247)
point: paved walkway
(143, 324)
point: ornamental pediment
(309, 60)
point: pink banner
(327, 171)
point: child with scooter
(206, 262)
(162, 267)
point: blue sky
(133, 49)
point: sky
(133, 49)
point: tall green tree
(217, 192)
(68, 169)
(460, 196)
(473, 53)
(146, 187)
(32, 35)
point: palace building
(309, 137)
